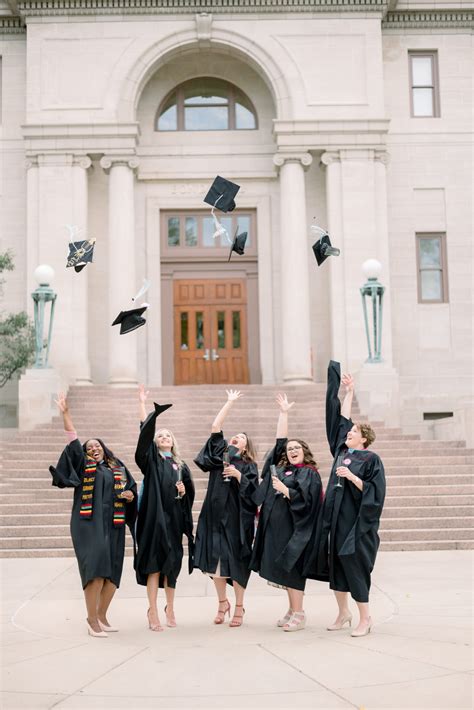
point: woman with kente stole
(227, 520)
(164, 513)
(291, 496)
(104, 501)
(348, 539)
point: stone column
(57, 195)
(121, 266)
(332, 161)
(294, 279)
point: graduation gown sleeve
(70, 468)
(187, 507)
(372, 499)
(337, 426)
(273, 458)
(211, 455)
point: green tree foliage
(17, 336)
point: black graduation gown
(162, 518)
(226, 523)
(348, 537)
(286, 525)
(98, 544)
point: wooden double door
(210, 331)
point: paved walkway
(419, 654)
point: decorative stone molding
(305, 159)
(110, 161)
(30, 8)
(203, 27)
(81, 139)
(381, 156)
(12, 26)
(429, 19)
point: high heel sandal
(153, 627)
(220, 616)
(297, 622)
(237, 619)
(338, 626)
(97, 634)
(170, 618)
(286, 618)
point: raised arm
(282, 425)
(142, 396)
(63, 407)
(337, 424)
(232, 396)
(348, 382)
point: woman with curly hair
(348, 539)
(164, 513)
(104, 501)
(226, 523)
(291, 499)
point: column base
(377, 391)
(37, 389)
(83, 382)
(123, 382)
(298, 381)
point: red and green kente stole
(88, 483)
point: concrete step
(46, 542)
(416, 545)
(426, 523)
(413, 534)
(439, 511)
(46, 552)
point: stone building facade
(117, 115)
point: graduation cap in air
(221, 194)
(238, 244)
(322, 248)
(80, 254)
(131, 320)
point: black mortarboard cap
(221, 194)
(80, 254)
(160, 408)
(322, 249)
(130, 320)
(238, 244)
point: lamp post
(374, 290)
(42, 295)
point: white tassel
(146, 285)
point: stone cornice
(31, 8)
(429, 19)
(12, 25)
(90, 138)
(307, 135)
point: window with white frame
(206, 104)
(424, 84)
(432, 268)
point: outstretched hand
(348, 382)
(232, 395)
(61, 402)
(282, 401)
(142, 393)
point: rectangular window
(187, 234)
(424, 84)
(432, 268)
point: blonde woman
(164, 514)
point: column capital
(329, 157)
(82, 161)
(110, 161)
(305, 159)
(381, 156)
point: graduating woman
(348, 540)
(104, 500)
(164, 513)
(291, 502)
(226, 523)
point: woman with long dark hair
(104, 501)
(226, 523)
(164, 513)
(348, 539)
(290, 495)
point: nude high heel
(220, 616)
(97, 634)
(337, 627)
(153, 627)
(358, 634)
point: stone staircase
(430, 484)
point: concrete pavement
(419, 654)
